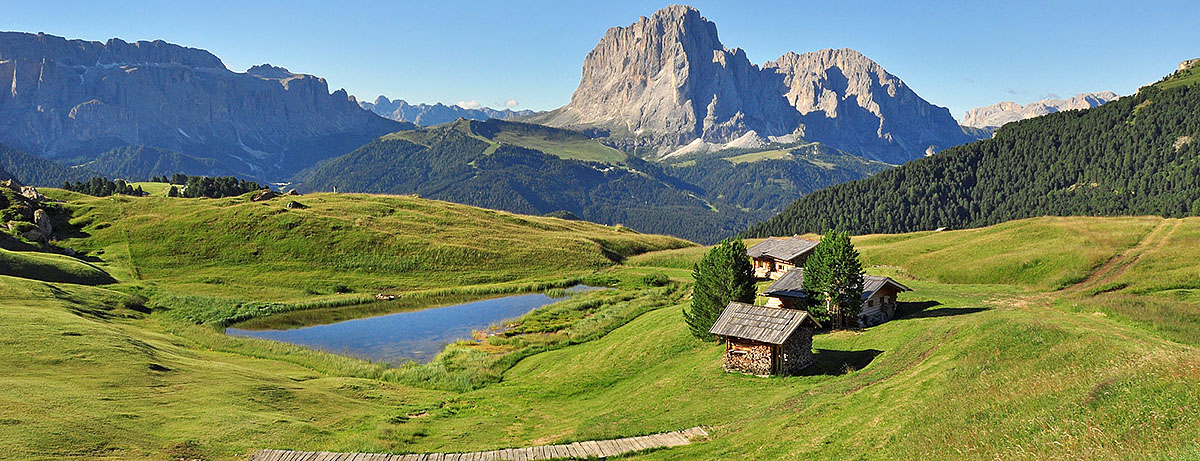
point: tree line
(193, 186)
(1132, 156)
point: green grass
(234, 250)
(1186, 77)
(990, 360)
(757, 156)
(155, 189)
(49, 267)
(577, 149)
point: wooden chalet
(764, 340)
(776, 256)
(879, 296)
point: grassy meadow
(1040, 338)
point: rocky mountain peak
(996, 115)
(667, 80)
(269, 72)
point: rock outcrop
(75, 99)
(667, 80)
(998, 114)
(42, 220)
(435, 114)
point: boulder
(292, 192)
(32, 194)
(42, 220)
(264, 195)
(294, 205)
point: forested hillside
(534, 169)
(1133, 156)
(32, 170)
(138, 163)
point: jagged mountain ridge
(435, 114)
(73, 99)
(667, 80)
(998, 114)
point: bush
(655, 280)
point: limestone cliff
(73, 99)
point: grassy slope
(262, 251)
(997, 367)
(50, 268)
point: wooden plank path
(587, 449)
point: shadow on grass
(923, 309)
(836, 363)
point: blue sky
(954, 54)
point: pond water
(414, 335)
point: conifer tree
(723, 275)
(833, 279)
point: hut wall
(747, 357)
(796, 353)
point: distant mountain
(535, 169)
(1136, 155)
(436, 114)
(32, 170)
(74, 99)
(666, 81)
(140, 163)
(998, 114)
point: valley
(703, 253)
(1026, 326)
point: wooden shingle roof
(763, 324)
(785, 249)
(791, 285)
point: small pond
(414, 335)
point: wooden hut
(879, 296)
(765, 341)
(775, 256)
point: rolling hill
(1132, 156)
(534, 169)
(1086, 325)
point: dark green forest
(1128, 157)
(141, 162)
(32, 170)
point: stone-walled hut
(765, 341)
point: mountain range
(436, 114)
(998, 114)
(668, 131)
(71, 100)
(667, 80)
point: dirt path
(574, 450)
(1112, 269)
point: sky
(527, 54)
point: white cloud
(511, 103)
(472, 104)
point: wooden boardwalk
(588, 449)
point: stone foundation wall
(745, 357)
(796, 352)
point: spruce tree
(723, 275)
(173, 191)
(833, 279)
